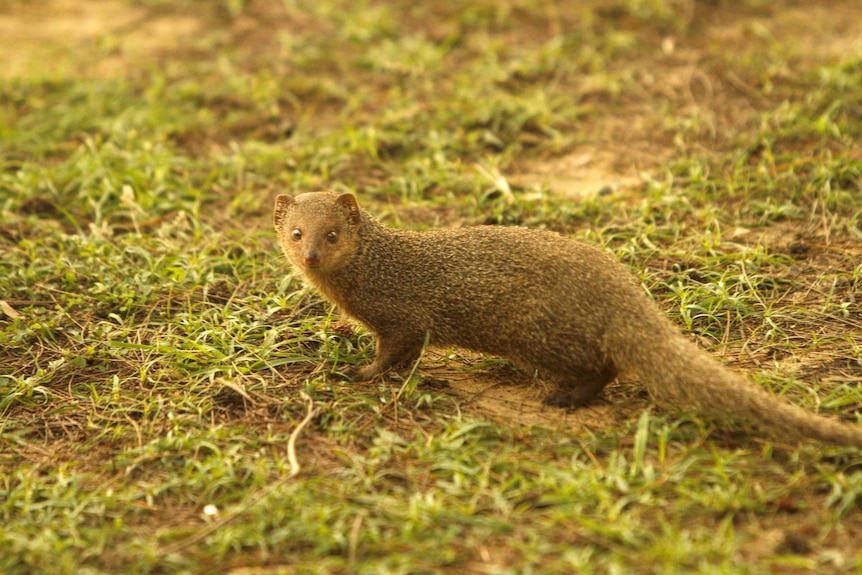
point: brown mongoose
(546, 302)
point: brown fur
(548, 303)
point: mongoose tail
(675, 369)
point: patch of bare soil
(584, 173)
(42, 36)
(505, 395)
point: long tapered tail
(675, 369)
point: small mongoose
(546, 302)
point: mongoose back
(546, 302)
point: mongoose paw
(357, 374)
(572, 398)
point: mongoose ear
(282, 203)
(348, 201)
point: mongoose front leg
(393, 352)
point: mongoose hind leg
(392, 352)
(581, 390)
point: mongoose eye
(297, 235)
(332, 237)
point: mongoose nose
(312, 261)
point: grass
(156, 352)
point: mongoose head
(318, 230)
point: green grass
(156, 349)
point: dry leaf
(9, 311)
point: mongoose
(546, 302)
